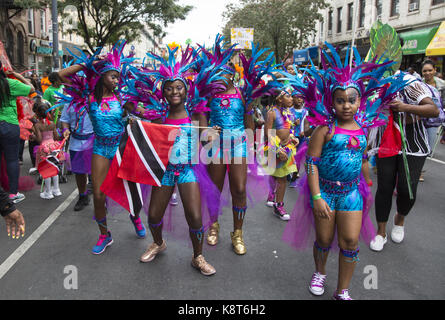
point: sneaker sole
(270, 204)
(203, 273)
(315, 293)
(108, 244)
(18, 200)
(281, 217)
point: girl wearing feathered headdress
(282, 143)
(93, 84)
(333, 196)
(231, 110)
(175, 95)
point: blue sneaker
(105, 240)
(138, 227)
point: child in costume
(96, 89)
(180, 100)
(283, 144)
(333, 196)
(231, 110)
(45, 135)
(78, 128)
(301, 130)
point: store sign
(242, 37)
(45, 43)
(409, 45)
(33, 45)
(47, 51)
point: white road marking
(21, 250)
(436, 160)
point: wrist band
(317, 197)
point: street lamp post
(55, 23)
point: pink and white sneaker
(344, 295)
(317, 284)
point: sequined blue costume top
(227, 111)
(183, 154)
(340, 169)
(107, 124)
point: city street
(57, 248)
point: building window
(350, 16)
(438, 2)
(330, 22)
(362, 7)
(339, 19)
(31, 21)
(20, 48)
(42, 22)
(394, 8)
(9, 47)
(378, 5)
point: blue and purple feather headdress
(375, 91)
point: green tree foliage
(281, 25)
(36, 4)
(102, 22)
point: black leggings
(391, 171)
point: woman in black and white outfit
(414, 102)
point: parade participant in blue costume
(94, 82)
(232, 111)
(180, 100)
(333, 197)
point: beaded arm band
(310, 163)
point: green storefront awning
(416, 41)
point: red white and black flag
(142, 158)
(50, 166)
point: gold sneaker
(202, 265)
(212, 236)
(237, 242)
(152, 251)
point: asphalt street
(57, 263)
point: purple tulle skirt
(300, 229)
(80, 161)
(174, 221)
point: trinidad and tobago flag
(50, 166)
(141, 158)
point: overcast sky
(202, 24)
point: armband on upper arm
(310, 163)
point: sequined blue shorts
(341, 197)
(106, 146)
(178, 174)
(229, 148)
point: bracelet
(317, 197)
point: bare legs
(99, 170)
(191, 199)
(348, 230)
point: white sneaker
(397, 234)
(378, 242)
(56, 192)
(174, 199)
(32, 171)
(316, 286)
(46, 196)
